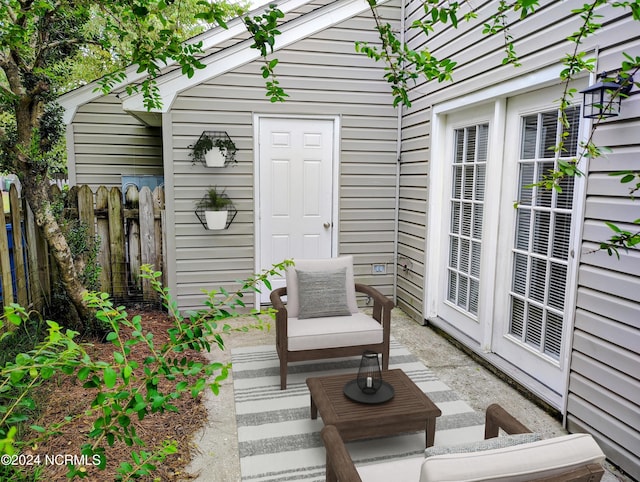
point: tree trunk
(36, 191)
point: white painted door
(463, 221)
(296, 158)
(537, 268)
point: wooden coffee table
(410, 410)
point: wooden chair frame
(340, 466)
(381, 313)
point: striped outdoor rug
(277, 439)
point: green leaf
(110, 377)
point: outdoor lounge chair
(321, 317)
(574, 457)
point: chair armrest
(339, 464)
(281, 315)
(498, 418)
(382, 305)
(276, 298)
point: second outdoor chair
(321, 317)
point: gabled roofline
(73, 99)
(174, 82)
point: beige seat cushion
(404, 470)
(333, 332)
(519, 463)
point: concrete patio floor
(216, 445)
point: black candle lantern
(369, 375)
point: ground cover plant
(117, 395)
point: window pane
(537, 287)
(564, 199)
(570, 147)
(463, 284)
(561, 236)
(553, 335)
(533, 330)
(475, 259)
(523, 218)
(530, 131)
(459, 150)
(526, 179)
(483, 140)
(478, 210)
(452, 287)
(544, 196)
(541, 221)
(474, 290)
(455, 217)
(520, 274)
(465, 255)
(453, 253)
(557, 285)
(456, 192)
(480, 180)
(466, 219)
(469, 182)
(471, 144)
(517, 318)
(549, 135)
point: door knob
(327, 225)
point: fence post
(116, 242)
(147, 242)
(132, 221)
(102, 230)
(35, 283)
(158, 216)
(5, 264)
(22, 294)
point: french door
(535, 299)
(506, 276)
(463, 226)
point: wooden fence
(129, 233)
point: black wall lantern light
(603, 99)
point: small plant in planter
(215, 205)
(214, 149)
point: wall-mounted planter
(215, 210)
(214, 149)
(216, 219)
(215, 158)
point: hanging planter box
(215, 210)
(216, 219)
(213, 149)
(215, 157)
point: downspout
(398, 159)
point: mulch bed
(66, 396)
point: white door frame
(335, 195)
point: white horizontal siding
(604, 387)
(109, 143)
(323, 75)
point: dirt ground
(65, 396)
